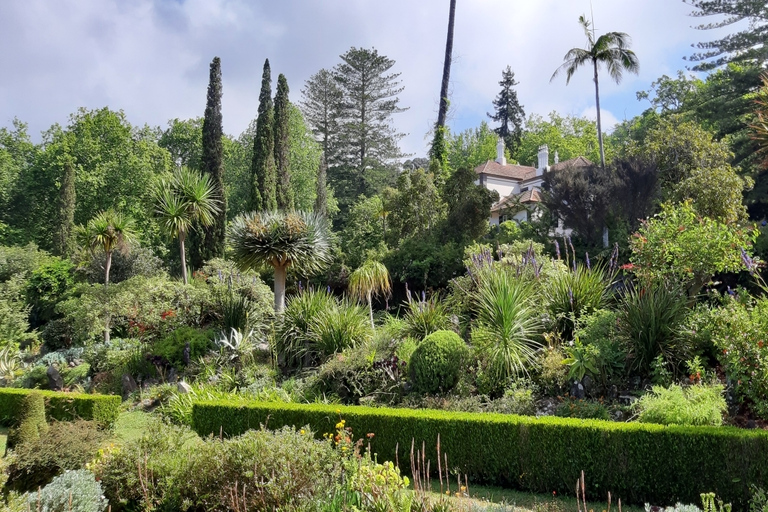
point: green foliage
(469, 207)
(171, 347)
(506, 333)
(21, 261)
(436, 363)
(363, 233)
(536, 454)
(472, 147)
(103, 409)
(680, 246)
(571, 294)
(29, 421)
(425, 316)
(73, 491)
(415, 208)
(64, 446)
(341, 326)
(582, 359)
(48, 285)
(14, 314)
(285, 469)
(139, 261)
(263, 173)
(584, 409)
(284, 192)
(553, 374)
(508, 111)
(694, 405)
(294, 334)
(600, 331)
(648, 321)
(569, 136)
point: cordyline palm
(185, 198)
(611, 50)
(372, 278)
(281, 240)
(109, 230)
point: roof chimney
(557, 158)
(543, 159)
(500, 152)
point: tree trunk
(280, 273)
(599, 125)
(443, 110)
(370, 310)
(183, 259)
(107, 266)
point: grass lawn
(3, 439)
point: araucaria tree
(508, 112)
(747, 45)
(282, 163)
(369, 100)
(281, 240)
(209, 240)
(610, 50)
(182, 201)
(263, 193)
(321, 101)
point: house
(519, 186)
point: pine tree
(321, 200)
(745, 45)
(207, 242)
(321, 102)
(370, 140)
(263, 165)
(284, 192)
(66, 210)
(508, 111)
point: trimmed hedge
(102, 409)
(636, 462)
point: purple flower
(557, 249)
(589, 266)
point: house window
(524, 189)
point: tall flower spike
(557, 249)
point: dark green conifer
(263, 174)
(207, 242)
(282, 163)
(66, 210)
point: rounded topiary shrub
(435, 364)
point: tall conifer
(66, 210)
(321, 200)
(264, 179)
(282, 164)
(207, 242)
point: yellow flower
(302, 431)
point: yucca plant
(282, 240)
(335, 329)
(508, 326)
(294, 337)
(372, 278)
(648, 321)
(425, 316)
(573, 293)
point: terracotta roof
(517, 172)
(579, 161)
(529, 196)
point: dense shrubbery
(73, 491)
(437, 361)
(693, 405)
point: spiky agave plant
(282, 240)
(508, 325)
(372, 278)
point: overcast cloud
(150, 57)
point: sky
(150, 58)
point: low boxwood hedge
(103, 409)
(636, 462)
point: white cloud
(607, 119)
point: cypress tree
(282, 164)
(264, 179)
(321, 200)
(207, 242)
(66, 210)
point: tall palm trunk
(599, 125)
(183, 258)
(280, 275)
(370, 310)
(443, 109)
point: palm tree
(281, 240)
(371, 278)
(611, 50)
(108, 230)
(182, 200)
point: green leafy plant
(582, 360)
(584, 409)
(572, 293)
(73, 491)
(294, 335)
(648, 321)
(334, 329)
(694, 405)
(600, 331)
(372, 278)
(435, 364)
(425, 316)
(30, 423)
(507, 329)
(171, 348)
